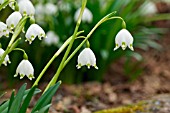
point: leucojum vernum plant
(24, 12)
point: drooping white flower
(6, 60)
(52, 38)
(33, 31)
(3, 30)
(25, 68)
(86, 57)
(50, 9)
(86, 17)
(26, 7)
(148, 8)
(13, 20)
(124, 39)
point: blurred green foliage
(102, 41)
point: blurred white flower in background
(25, 68)
(86, 57)
(86, 17)
(33, 31)
(64, 6)
(6, 60)
(3, 30)
(26, 7)
(1, 1)
(148, 8)
(50, 9)
(124, 39)
(52, 39)
(13, 20)
(39, 9)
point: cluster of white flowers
(26, 8)
(46, 9)
(87, 57)
(43, 10)
(123, 39)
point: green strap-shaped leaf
(27, 101)
(11, 100)
(18, 99)
(46, 97)
(5, 110)
(1, 95)
(4, 106)
(44, 109)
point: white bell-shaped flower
(6, 60)
(26, 7)
(86, 57)
(25, 68)
(3, 30)
(52, 39)
(86, 17)
(33, 31)
(13, 20)
(50, 9)
(124, 39)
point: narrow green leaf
(4, 5)
(5, 110)
(27, 101)
(4, 106)
(1, 95)
(46, 97)
(18, 99)
(11, 100)
(44, 109)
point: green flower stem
(17, 31)
(54, 79)
(5, 4)
(14, 45)
(25, 56)
(117, 17)
(106, 18)
(53, 58)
